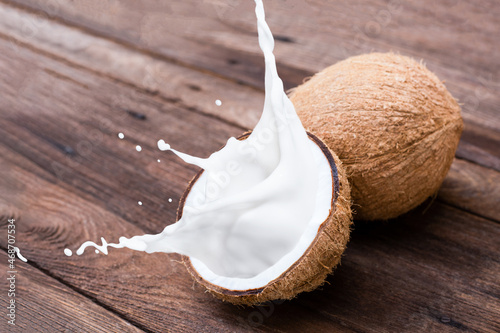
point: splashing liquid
(253, 201)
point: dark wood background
(73, 74)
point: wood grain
(453, 37)
(74, 120)
(153, 292)
(241, 105)
(45, 305)
(436, 271)
(182, 86)
(473, 188)
(147, 68)
(480, 145)
(83, 76)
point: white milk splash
(255, 198)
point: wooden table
(75, 74)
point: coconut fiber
(393, 124)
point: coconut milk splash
(255, 198)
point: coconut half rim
(326, 200)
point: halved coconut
(312, 259)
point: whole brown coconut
(393, 124)
(322, 255)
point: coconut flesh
(393, 124)
(269, 216)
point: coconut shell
(315, 264)
(393, 124)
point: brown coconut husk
(393, 124)
(316, 263)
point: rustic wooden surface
(74, 74)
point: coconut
(306, 267)
(393, 124)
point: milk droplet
(162, 145)
(159, 161)
(140, 203)
(19, 255)
(96, 251)
(68, 252)
(138, 148)
(121, 135)
(169, 199)
(218, 102)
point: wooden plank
(241, 105)
(95, 187)
(456, 40)
(186, 88)
(436, 271)
(153, 291)
(201, 34)
(43, 304)
(480, 145)
(95, 110)
(424, 272)
(472, 188)
(481, 149)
